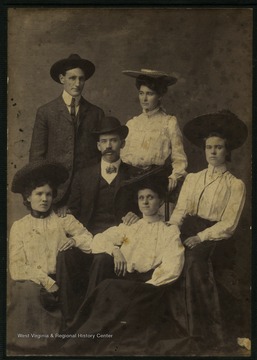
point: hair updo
(158, 85)
(32, 186)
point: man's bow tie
(111, 169)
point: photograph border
(3, 140)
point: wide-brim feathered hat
(72, 62)
(224, 123)
(51, 171)
(109, 124)
(153, 74)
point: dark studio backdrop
(208, 50)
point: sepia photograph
(129, 181)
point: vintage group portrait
(129, 197)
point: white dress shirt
(104, 165)
(67, 98)
(213, 194)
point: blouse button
(39, 267)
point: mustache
(108, 151)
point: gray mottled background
(209, 50)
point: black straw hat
(52, 171)
(72, 62)
(109, 124)
(224, 123)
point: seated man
(95, 198)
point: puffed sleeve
(19, 269)
(180, 210)
(225, 228)
(39, 141)
(105, 242)
(178, 156)
(78, 232)
(172, 258)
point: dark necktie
(111, 169)
(73, 110)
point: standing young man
(63, 127)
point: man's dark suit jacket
(85, 187)
(54, 137)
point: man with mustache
(97, 199)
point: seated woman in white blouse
(35, 243)
(208, 210)
(148, 251)
(154, 136)
(133, 267)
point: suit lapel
(62, 109)
(93, 184)
(83, 108)
(121, 176)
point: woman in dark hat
(140, 261)
(154, 136)
(208, 210)
(34, 244)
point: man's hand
(130, 218)
(120, 263)
(53, 288)
(192, 241)
(63, 211)
(172, 184)
(68, 244)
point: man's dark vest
(103, 216)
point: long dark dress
(129, 318)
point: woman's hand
(53, 288)
(130, 218)
(192, 241)
(120, 263)
(69, 244)
(172, 184)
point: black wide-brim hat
(72, 62)
(153, 74)
(224, 123)
(156, 177)
(51, 171)
(109, 124)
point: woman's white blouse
(34, 245)
(146, 246)
(213, 194)
(152, 138)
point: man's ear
(61, 77)
(123, 143)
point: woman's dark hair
(159, 85)
(158, 185)
(32, 186)
(222, 136)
